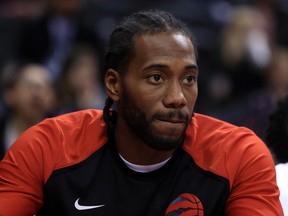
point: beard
(138, 123)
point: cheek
(23, 95)
(138, 96)
(149, 97)
(49, 98)
(191, 97)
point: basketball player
(151, 155)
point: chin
(164, 143)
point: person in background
(48, 39)
(147, 154)
(246, 49)
(253, 110)
(246, 46)
(28, 96)
(277, 136)
(80, 85)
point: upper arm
(23, 172)
(253, 188)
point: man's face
(32, 96)
(159, 90)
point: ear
(113, 84)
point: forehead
(164, 46)
(36, 74)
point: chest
(103, 185)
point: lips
(174, 120)
(174, 123)
(172, 117)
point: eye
(155, 78)
(189, 80)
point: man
(149, 156)
(277, 141)
(28, 97)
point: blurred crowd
(52, 53)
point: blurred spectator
(276, 79)
(246, 49)
(253, 110)
(281, 23)
(48, 39)
(277, 141)
(19, 9)
(29, 98)
(246, 34)
(269, 10)
(277, 132)
(244, 53)
(80, 85)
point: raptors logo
(185, 205)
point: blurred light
(220, 11)
(105, 26)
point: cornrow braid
(120, 50)
(109, 116)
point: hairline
(153, 33)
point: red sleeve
(23, 171)
(238, 155)
(53, 144)
(253, 179)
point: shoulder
(78, 132)
(70, 125)
(224, 148)
(73, 119)
(63, 140)
(207, 132)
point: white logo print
(82, 207)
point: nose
(174, 96)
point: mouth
(171, 123)
(173, 120)
(173, 117)
(172, 127)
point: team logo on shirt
(185, 204)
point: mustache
(172, 115)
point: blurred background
(242, 45)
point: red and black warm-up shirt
(66, 166)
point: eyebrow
(154, 66)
